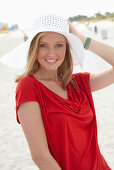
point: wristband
(87, 43)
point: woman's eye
(43, 45)
(59, 45)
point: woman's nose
(51, 51)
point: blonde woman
(55, 107)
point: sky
(22, 12)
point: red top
(70, 125)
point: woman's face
(51, 50)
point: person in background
(55, 107)
(25, 37)
(95, 29)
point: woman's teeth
(51, 61)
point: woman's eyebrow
(60, 41)
(42, 42)
(55, 42)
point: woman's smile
(51, 61)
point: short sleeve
(82, 79)
(25, 92)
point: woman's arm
(32, 124)
(103, 78)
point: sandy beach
(14, 151)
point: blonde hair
(64, 72)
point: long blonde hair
(64, 71)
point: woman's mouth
(51, 61)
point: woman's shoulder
(27, 78)
(26, 82)
(81, 79)
(80, 76)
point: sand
(14, 151)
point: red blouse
(70, 125)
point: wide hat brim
(17, 58)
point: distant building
(14, 27)
(3, 26)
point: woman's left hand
(74, 31)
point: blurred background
(91, 18)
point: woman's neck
(47, 75)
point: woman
(55, 107)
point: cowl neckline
(55, 94)
(70, 103)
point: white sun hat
(17, 58)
